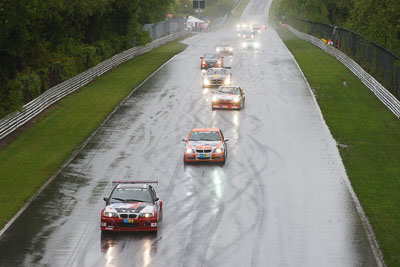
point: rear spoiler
(134, 182)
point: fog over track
(280, 199)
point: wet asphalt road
(280, 200)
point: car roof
(135, 186)
(211, 54)
(205, 130)
(218, 68)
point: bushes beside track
(368, 137)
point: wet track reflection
(280, 199)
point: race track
(280, 200)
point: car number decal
(129, 221)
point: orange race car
(228, 97)
(205, 144)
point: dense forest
(44, 42)
(379, 21)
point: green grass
(32, 158)
(370, 135)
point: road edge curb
(364, 220)
(79, 149)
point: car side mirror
(106, 199)
(201, 57)
(226, 140)
(156, 199)
(184, 140)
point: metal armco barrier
(16, 119)
(381, 92)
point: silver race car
(215, 77)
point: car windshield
(205, 136)
(215, 71)
(130, 194)
(210, 56)
(228, 90)
(223, 45)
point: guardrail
(30, 110)
(381, 92)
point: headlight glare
(227, 81)
(206, 81)
(110, 214)
(189, 150)
(218, 150)
(146, 215)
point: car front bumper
(226, 106)
(129, 225)
(199, 157)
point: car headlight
(189, 150)
(219, 150)
(219, 62)
(238, 35)
(214, 99)
(252, 36)
(146, 215)
(256, 45)
(244, 45)
(227, 81)
(236, 100)
(110, 214)
(206, 81)
(230, 49)
(218, 49)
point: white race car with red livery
(131, 206)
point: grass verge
(368, 135)
(31, 159)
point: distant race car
(241, 26)
(250, 44)
(256, 28)
(246, 35)
(210, 60)
(131, 206)
(224, 48)
(228, 97)
(205, 144)
(215, 77)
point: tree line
(379, 21)
(214, 8)
(44, 42)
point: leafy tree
(43, 42)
